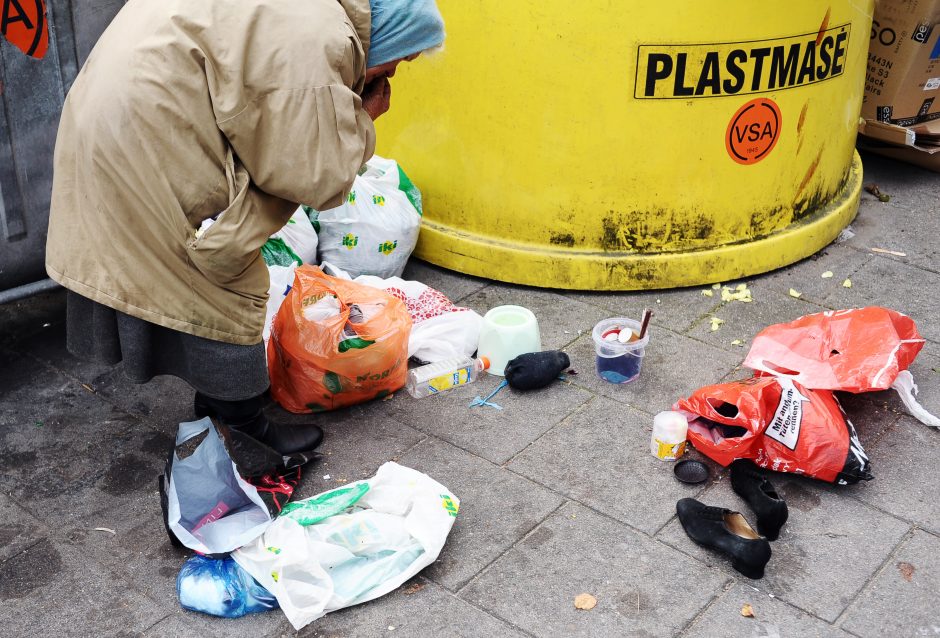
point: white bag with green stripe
(376, 230)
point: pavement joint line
(565, 418)
(146, 629)
(584, 505)
(486, 611)
(729, 583)
(487, 567)
(881, 568)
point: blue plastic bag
(221, 588)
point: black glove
(536, 369)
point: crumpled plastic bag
(352, 544)
(780, 425)
(858, 350)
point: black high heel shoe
(726, 531)
(285, 439)
(753, 487)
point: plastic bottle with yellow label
(435, 378)
(669, 434)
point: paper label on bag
(788, 419)
(932, 84)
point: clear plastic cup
(618, 362)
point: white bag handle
(907, 390)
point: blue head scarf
(403, 27)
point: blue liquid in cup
(622, 369)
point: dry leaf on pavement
(907, 571)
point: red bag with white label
(778, 424)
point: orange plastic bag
(336, 343)
(858, 350)
(778, 424)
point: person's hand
(377, 97)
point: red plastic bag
(336, 343)
(852, 350)
(778, 424)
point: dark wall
(31, 96)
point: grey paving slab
(772, 617)
(673, 367)
(49, 590)
(902, 599)
(805, 276)
(140, 550)
(742, 321)
(883, 282)
(825, 553)
(904, 464)
(497, 508)
(905, 225)
(164, 402)
(561, 319)
(48, 345)
(496, 435)
(601, 457)
(870, 418)
(66, 453)
(171, 627)
(455, 285)
(897, 179)
(19, 530)
(357, 440)
(676, 310)
(642, 588)
(429, 611)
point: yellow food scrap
(708, 293)
(747, 611)
(716, 322)
(739, 293)
(716, 286)
(795, 294)
(847, 283)
(737, 342)
(585, 602)
(827, 274)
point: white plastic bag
(300, 236)
(353, 544)
(376, 230)
(282, 279)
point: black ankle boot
(754, 488)
(727, 532)
(285, 439)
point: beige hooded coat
(185, 110)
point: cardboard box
(903, 143)
(902, 84)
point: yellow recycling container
(627, 145)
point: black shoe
(754, 488)
(285, 439)
(727, 532)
